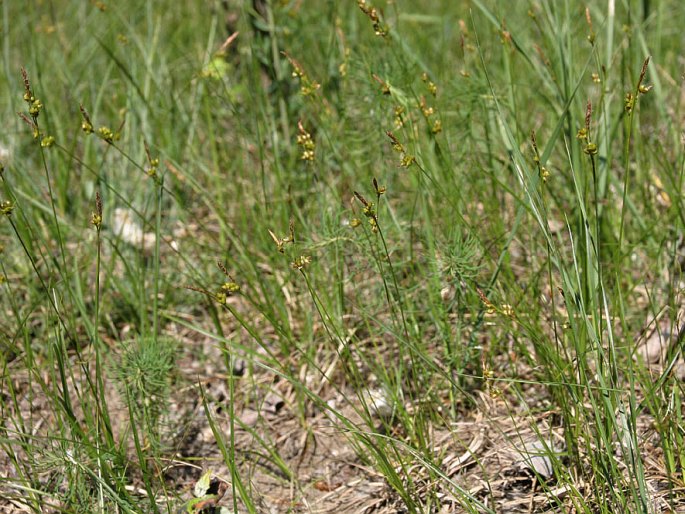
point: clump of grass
(497, 277)
(144, 373)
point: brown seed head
(643, 72)
(588, 116)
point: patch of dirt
(507, 451)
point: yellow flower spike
(487, 373)
(47, 141)
(307, 85)
(28, 93)
(432, 88)
(508, 310)
(106, 134)
(230, 288)
(488, 304)
(544, 174)
(35, 108)
(86, 124)
(407, 160)
(6, 207)
(399, 117)
(301, 262)
(379, 27)
(304, 139)
(96, 217)
(151, 170)
(396, 145)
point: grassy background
(501, 259)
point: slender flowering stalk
(229, 288)
(304, 139)
(308, 86)
(102, 420)
(379, 27)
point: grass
(450, 257)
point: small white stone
(379, 403)
(535, 456)
(447, 293)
